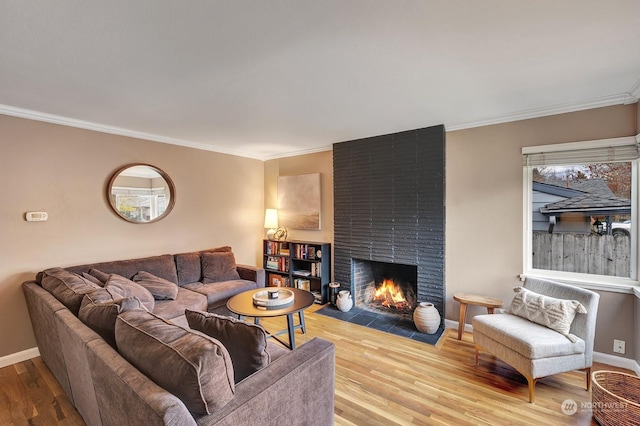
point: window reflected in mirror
(141, 193)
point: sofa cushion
(162, 266)
(194, 367)
(93, 279)
(188, 264)
(127, 288)
(103, 277)
(67, 287)
(101, 307)
(557, 314)
(246, 343)
(531, 340)
(218, 266)
(188, 267)
(160, 288)
(218, 293)
(186, 299)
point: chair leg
(532, 385)
(477, 360)
(588, 371)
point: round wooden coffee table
(242, 305)
(473, 299)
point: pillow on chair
(556, 314)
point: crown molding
(605, 101)
(634, 92)
(620, 99)
(296, 153)
(87, 125)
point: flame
(389, 295)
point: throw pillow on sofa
(189, 267)
(127, 288)
(160, 288)
(246, 343)
(100, 309)
(218, 266)
(556, 314)
(103, 277)
(92, 279)
(67, 287)
(194, 367)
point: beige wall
(484, 197)
(65, 171)
(322, 163)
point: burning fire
(390, 295)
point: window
(580, 215)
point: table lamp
(271, 222)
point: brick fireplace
(389, 209)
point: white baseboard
(613, 360)
(19, 357)
(617, 361)
(454, 324)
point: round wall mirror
(141, 193)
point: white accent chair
(533, 349)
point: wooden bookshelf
(299, 264)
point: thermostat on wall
(36, 216)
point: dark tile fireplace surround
(389, 209)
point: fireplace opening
(385, 288)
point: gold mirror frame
(141, 193)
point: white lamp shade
(271, 218)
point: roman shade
(588, 152)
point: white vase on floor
(426, 318)
(344, 302)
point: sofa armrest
(127, 397)
(297, 388)
(42, 307)
(251, 273)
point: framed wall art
(299, 201)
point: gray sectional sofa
(99, 376)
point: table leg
(302, 325)
(462, 319)
(256, 320)
(291, 328)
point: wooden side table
(473, 299)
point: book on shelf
(316, 270)
(273, 247)
(276, 280)
(283, 264)
(272, 262)
(303, 284)
(311, 252)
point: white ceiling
(270, 78)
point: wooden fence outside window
(589, 254)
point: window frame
(596, 282)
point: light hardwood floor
(381, 379)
